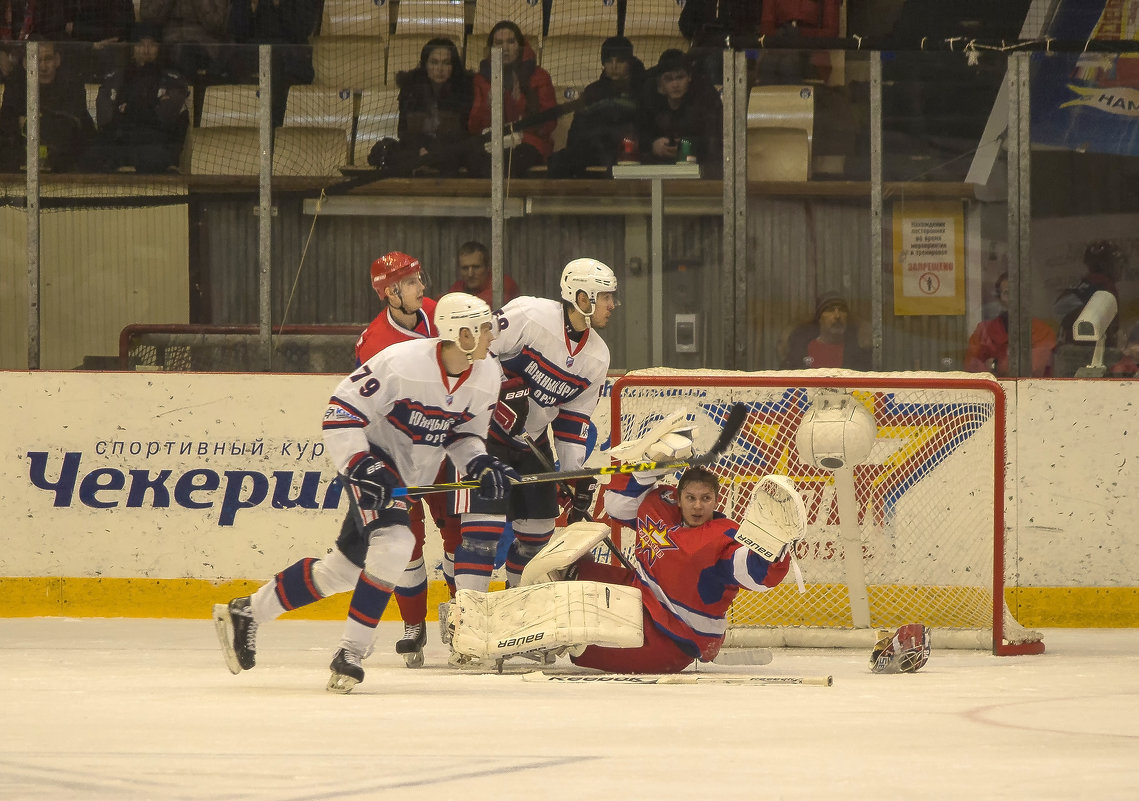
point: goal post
(924, 512)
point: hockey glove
(375, 481)
(582, 501)
(494, 476)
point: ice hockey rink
(145, 709)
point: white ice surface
(145, 709)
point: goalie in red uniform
(690, 563)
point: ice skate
(237, 633)
(411, 646)
(347, 671)
(444, 623)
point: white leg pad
(564, 548)
(546, 617)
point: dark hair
(457, 69)
(616, 47)
(1104, 257)
(504, 24)
(475, 246)
(672, 61)
(698, 475)
(1000, 280)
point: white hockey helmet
(458, 310)
(589, 276)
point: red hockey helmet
(393, 268)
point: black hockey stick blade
(732, 425)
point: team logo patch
(338, 415)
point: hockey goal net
(926, 512)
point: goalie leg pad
(546, 617)
(563, 549)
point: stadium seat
(526, 14)
(780, 128)
(572, 60)
(92, 97)
(225, 150)
(649, 48)
(309, 151)
(230, 105)
(355, 18)
(652, 18)
(403, 54)
(379, 117)
(348, 62)
(432, 18)
(319, 107)
(583, 18)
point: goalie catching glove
(904, 651)
(493, 475)
(375, 481)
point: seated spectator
(22, 20)
(474, 274)
(829, 340)
(434, 109)
(681, 109)
(792, 24)
(988, 344)
(1104, 264)
(142, 111)
(66, 129)
(195, 32)
(1128, 364)
(286, 24)
(608, 116)
(103, 23)
(527, 91)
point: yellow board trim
(1035, 607)
(163, 598)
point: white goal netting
(925, 515)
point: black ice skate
(347, 671)
(411, 646)
(237, 633)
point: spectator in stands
(434, 109)
(66, 129)
(608, 117)
(829, 340)
(1128, 364)
(709, 24)
(792, 24)
(474, 274)
(1104, 263)
(21, 20)
(988, 344)
(285, 24)
(103, 23)
(527, 93)
(194, 31)
(141, 110)
(684, 108)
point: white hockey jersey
(564, 377)
(402, 401)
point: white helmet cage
(589, 276)
(458, 310)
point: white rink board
(1072, 479)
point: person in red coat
(988, 344)
(527, 91)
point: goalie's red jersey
(688, 576)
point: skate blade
(223, 625)
(413, 659)
(339, 683)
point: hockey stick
(541, 457)
(732, 426)
(679, 678)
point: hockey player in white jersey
(554, 351)
(389, 424)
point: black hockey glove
(375, 481)
(582, 501)
(494, 476)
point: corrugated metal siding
(13, 289)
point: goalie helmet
(589, 276)
(458, 310)
(904, 651)
(392, 268)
